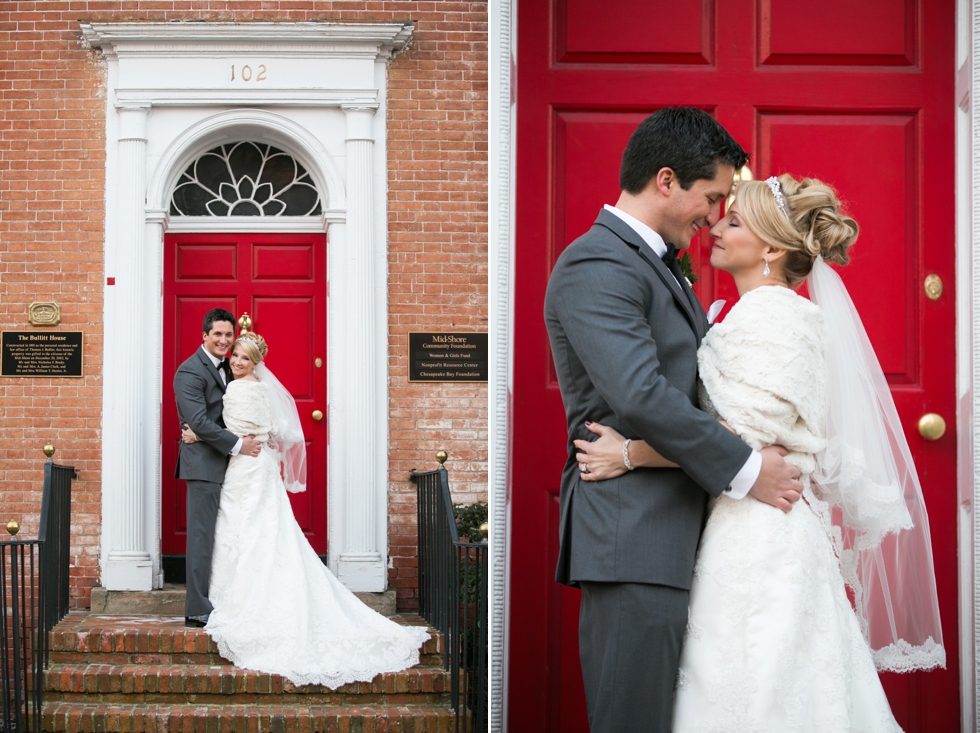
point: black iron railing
(33, 598)
(453, 598)
(55, 533)
(21, 609)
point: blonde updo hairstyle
(815, 225)
(253, 345)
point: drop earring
(765, 272)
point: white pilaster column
(127, 563)
(361, 566)
(156, 222)
(338, 368)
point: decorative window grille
(245, 179)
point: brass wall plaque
(448, 357)
(44, 314)
(34, 354)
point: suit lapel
(629, 236)
(210, 368)
(701, 318)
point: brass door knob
(932, 426)
(317, 415)
(933, 286)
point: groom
(625, 328)
(199, 386)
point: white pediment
(269, 64)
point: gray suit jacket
(199, 391)
(624, 336)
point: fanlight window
(245, 179)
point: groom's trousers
(630, 637)
(203, 498)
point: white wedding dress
(277, 608)
(773, 644)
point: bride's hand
(188, 435)
(604, 457)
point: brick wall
(52, 189)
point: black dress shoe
(198, 622)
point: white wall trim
(195, 38)
(273, 97)
(968, 357)
(277, 224)
(321, 98)
(501, 352)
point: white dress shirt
(749, 472)
(224, 380)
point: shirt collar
(214, 360)
(649, 236)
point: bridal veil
(866, 474)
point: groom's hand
(251, 446)
(778, 483)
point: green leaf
(468, 520)
(688, 268)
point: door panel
(207, 262)
(280, 281)
(840, 150)
(595, 31)
(838, 32)
(588, 72)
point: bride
(277, 608)
(773, 642)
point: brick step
(170, 601)
(67, 717)
(202, 684)
(120, 640)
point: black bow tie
(670, 256)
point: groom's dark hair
(689, 141)
(217, 314)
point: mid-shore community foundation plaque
(448, 357)
(41, 353)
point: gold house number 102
(245, 73)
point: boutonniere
(687, 268)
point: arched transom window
(245, 179)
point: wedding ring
(583, 467)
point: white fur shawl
(764, 370)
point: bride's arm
(604, 456)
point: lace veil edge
(902, 657)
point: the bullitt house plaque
(448, 357)
(41, 354)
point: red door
(280, 281)
(858, 94)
